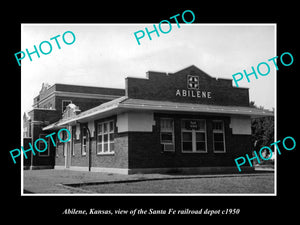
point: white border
(213, 194)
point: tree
(262, 133)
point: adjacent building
(48, 107)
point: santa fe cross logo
(192, 82)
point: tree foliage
(262, 131)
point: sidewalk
(54, 181)
(68, 181)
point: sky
(103, 55)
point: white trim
(106, 153)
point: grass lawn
(234, 184)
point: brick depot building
(184, 121)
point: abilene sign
(193, 93)
(192, 89)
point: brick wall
(145, 149)
(163, 87)
(119, 159)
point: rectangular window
(83, 140)
(218, 136)
(167, 134)
(105, 137)
(193, 135)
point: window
(64, 104)
(83, 140)
(167, 134)
(218, 136)
(193, 135)
(105, 137)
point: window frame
(108, 132)
(167, 131)
(194, 137)
(219, 132)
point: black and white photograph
(154, 116)
(144, 110)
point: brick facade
(118, 159)
(145, 150)
(163, 87)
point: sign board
(192, 125)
